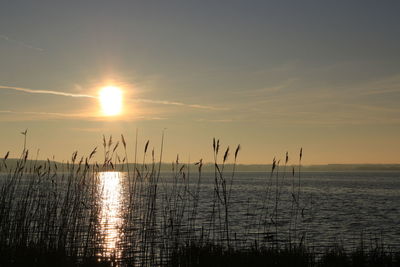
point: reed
(50, 214)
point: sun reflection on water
(110, 188)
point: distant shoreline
(209, 167)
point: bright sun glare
(111, 100)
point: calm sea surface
(335, 207)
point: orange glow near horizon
(111, 100)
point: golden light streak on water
(110, 188)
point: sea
(324, 209)
(318, 209)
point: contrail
(142, 100)
(49, 92)
(70, 115)
(164, 102)
(42, 113)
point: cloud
(373, 108)
(215, 120)
(386, 85)
(164, 102)
(142, 100)
(36, 115)
(274, 88)
(49, 92)
(23, 44)
(50, 114)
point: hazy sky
(273, 76)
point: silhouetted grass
(50, 215)
(211, 255)
(214, 255)
(37, 256)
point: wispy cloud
(40, 115)
(386, 85)
(49, 92)
(164, 102)
(215, 120)
(373, 108)
(141, 100)
(49, 114)
(20, 43)
(268, 89)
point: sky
(272, 76)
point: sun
(111, 100)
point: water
(111, 211)
(334, 207)
(338, 207)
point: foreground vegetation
(51, 215)
(215, 256)
(211, 255)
